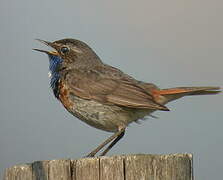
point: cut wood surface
(124, 167)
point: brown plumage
(103, 96)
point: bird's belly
(102, 116)
(106, 117)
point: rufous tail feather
(175, 93)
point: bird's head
(70, 53)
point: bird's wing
(111, 91)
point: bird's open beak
(55, 53)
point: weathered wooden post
(125, 167)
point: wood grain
(125, 167)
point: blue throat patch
(54, 61)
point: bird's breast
(64, 94)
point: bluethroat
(103, 96)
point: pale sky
(169, 43)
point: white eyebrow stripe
(77, 50)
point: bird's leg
(113, 143)
(116, 135)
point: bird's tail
(175, 93)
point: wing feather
(122, 92)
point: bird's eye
(64, 50)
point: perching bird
(103, 96)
